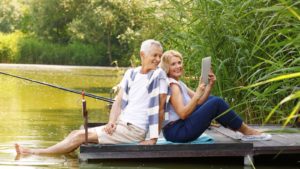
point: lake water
(39, 116)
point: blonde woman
(191, 112)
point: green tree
(11, 13)
(115, 25)
(50, 18)
(118, 24)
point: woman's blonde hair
(166, 57)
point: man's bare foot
(18, 157)
(22, 150)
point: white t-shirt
(136, 110)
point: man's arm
(114, 114)
(162, 102)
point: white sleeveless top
(185, 97)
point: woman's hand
(200, 90)
(212, 78)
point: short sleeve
(163, 86)
(122, 84)
(183, 84)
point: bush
(9, 47)
(20, 48)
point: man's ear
(142, 55)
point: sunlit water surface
(39, 116)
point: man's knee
(77, 136)
(74, 132)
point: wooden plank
(226, 132)
(276, 150)
(226, 144)
(163, 151)
(286, 139)
(166, 147)
(270, 143)
(280, 144)
(219, 138)
(155, 154)
(296, 138)
(275, 146)
(282, 139)
(276, 138)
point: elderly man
(138, 108)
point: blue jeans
(192, 127)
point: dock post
(83, 159)
(85, 117)
(248, 160)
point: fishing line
(61, 88)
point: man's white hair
(146, 45)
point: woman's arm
(203, 97)
(183, 111)
(212, 78)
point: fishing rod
(61, 88)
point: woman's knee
(218, 100)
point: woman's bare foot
(22, 150)
(250, 134)
(252, 131)
(246, 130)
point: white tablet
(205, 68)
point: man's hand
(110, 128)
(148, 142)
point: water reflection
(38, 116)
(9, 159)
(182, 163)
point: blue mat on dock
(203, 139)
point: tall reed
(249, 41)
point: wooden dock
(225, 144)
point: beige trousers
(124, 133)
